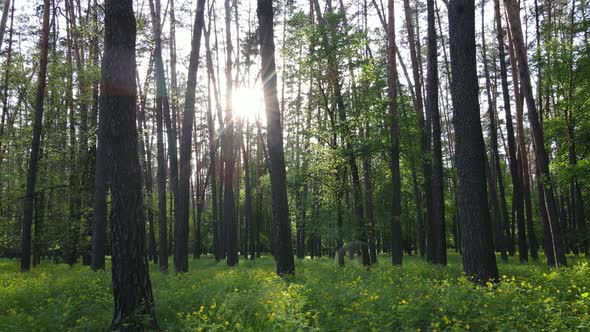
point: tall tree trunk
(395, 241)
(161, 99)
(146, 160)
(515, 164)
(280, 208)
(248, 190)
(549, 202)
(229, 213)
(131, 281)
(479, 261)
(216, 220)
(163, 104)
(6, 81)
(425, 143)
(494, 174)
(369, 202)
(25, 262)
(438, 197)
(181, 229)
(73, 231)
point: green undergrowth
(321, 296)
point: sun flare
(247, 103)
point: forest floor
(321, 296)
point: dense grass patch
(321, 296)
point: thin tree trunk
(515, 164)
(425, 143)
(395, 241)
(247, 187)
(229, 213)
(549, 202)
(499, 211)
(163, 105)
(6, 81)
(181, 229)
(5, 10)
(25, 264)
(438, 197)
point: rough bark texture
(479, 261)
(181, 230)
(131, 280)
(25, 263)
(278, 176)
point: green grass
(321, 296)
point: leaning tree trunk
(131, 281)
(25, 262)
(181, 229)
(479, 261)
(278, 175)
(499, 212)
(549, 202)
(517, 187)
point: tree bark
(280, 208)
(494, 174)
(131, 281)
(163, 106)
(25, 263)
(181, 229)
(515, 164)
(248, 191)
(395, 241)
(479, 261)
(438, 197)
(549, 203)
(229, 213)
(425, 144)
(5, 11)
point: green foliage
(321, 296)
